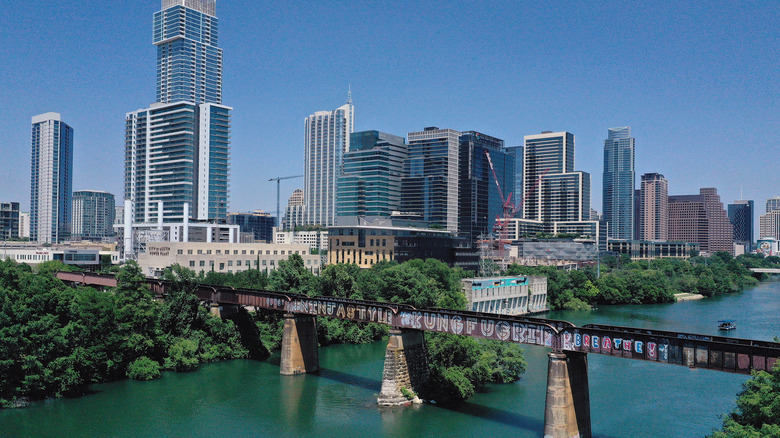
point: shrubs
(144, 368)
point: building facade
(653, 208)
(506, 295)
(93, 215)
(51, 180)
(313, 239)
(618, 189)
(700, 219)
(431, 186)
(546, 153)
(741, 218)
(479, 200)
(647, 250)
(9, 221)
(773, 204)
(370, 183)
(178, 149)
(24, 225)
(769, 225)
(258, 223)
(517, 154)
(326, 139)
(295, 212)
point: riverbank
(687, 297)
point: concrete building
(51, 180)
(370, 183)
(741, 218)
(313, 239)
(295, 212)
(769, 225)
(653, 208)
(24, 225)
(83, 256)
(93, 215)
(647, 250)
(221, 257)
(178, 149)
(773, 204)
(479, 200)
(700, 219)
(431, 186)
(534, 252)
(258, 223)
(9, 220)
(506, 295)
(619, 180)
(327, 138)
(548, 153)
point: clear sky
(698, 82)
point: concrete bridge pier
(300, 353)
(567, 405)
(406, 366)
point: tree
(758, 408)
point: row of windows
(243, 252)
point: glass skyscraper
(741, 217)
(326, 139)
(618, 190)
(370, 184)
(51, 179)
(93, 215)
(548, 153)
(177, 151)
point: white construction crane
(277, 179)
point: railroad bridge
(567, 405)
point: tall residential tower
(653, 208)
(177, 151)
(51, 179)
(618, 193)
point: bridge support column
(214, 309)
(567, 405)
(406, 366)
(299, 345)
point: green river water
(248, 398)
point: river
(249, 398)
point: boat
(727, 324)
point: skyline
(691, 90)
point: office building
(93, 215)
(479, 199)
(773, 204)
(700, 219)
(370, 183)
(506, 295)
(51, 180)
(86, 257)
(9, 220)
(517, 193)
(258, 223)
(618, 190)
(295, 212)
(565, 197)
(24, 225)
(326, 139)
(741, 218)
(769, 225)
(431, 187)
(315, 239)
(648, 250)
(653, 208)
(178, 149)
(548, 153)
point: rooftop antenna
(349, 95)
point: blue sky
(696, 81)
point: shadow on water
(351, 379)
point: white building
(296, 210)
(314, 239)
(84, 256)
(326, 139)
(506, 295)
(24, 225)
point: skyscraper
(544, 154)
(93, 215)
(326, 139)
(294, 214)
(517, 154)
(773, 204)
(51, 180)
(618, 193)
(654, 208)
(431, 187)
(741, 218)
(9, 221)
(370, 184)
(480, 202)
(700, 219)
(177, 150)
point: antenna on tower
(349, 95)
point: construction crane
(278, 179)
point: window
(219, 251)
(202, 263)
(221, 266)
(208, 251)
(189, 251)
(238, 262)
(200, 251)
(248, 263)
(264, 262)
(274, 252)
(243, 251)
(251, 251)
(230, 262)
(235, 252)
(181, 251)
(192, 263)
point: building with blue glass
(177, 151)
(51, 179)
(618, 190)
(741, 218)
(93, 215)
(517, 154)
(370, 183)
(259, 223)
(479, 199)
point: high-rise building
(9, 220)
(24, 225)
(517, 193)
(741, 217)
(189, 63)
(295, 213)
(93, 215)
(370, 184)
(51, 181)
(544, 154)
(431, 188)
(618, 193)
(654, 208)
(773, 204)
(565, 197)
(769, 225)
(178, 150)
(326, 139)
(259, 223)
(480, 202)
(700, 219)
